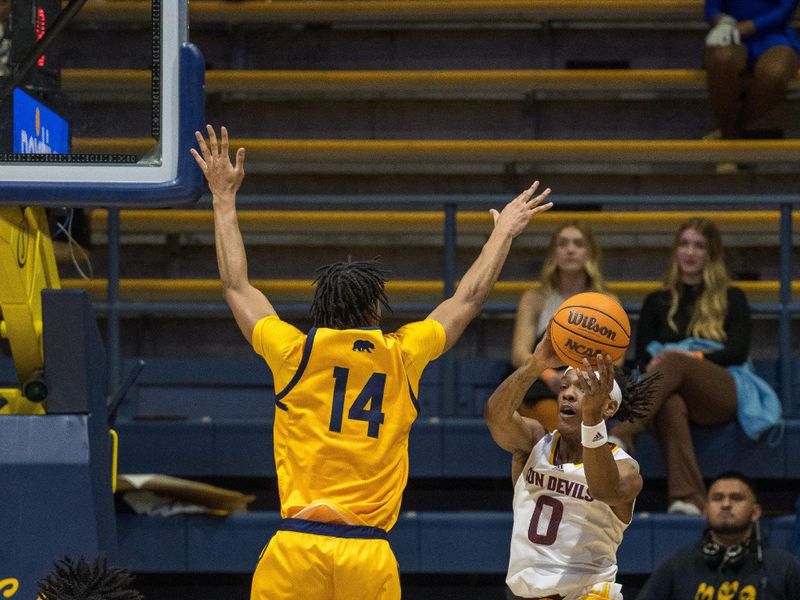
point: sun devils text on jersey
(558, 523)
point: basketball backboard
(107, 114)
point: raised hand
(544, 353)
(517, 213)
(596, 388)
(224, 178)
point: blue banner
(37, 129)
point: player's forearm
(602, 474)
(231, 256)
(478, 281)
(507, 398)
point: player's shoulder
(272, 330)
(425, 327)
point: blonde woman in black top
(696, 387)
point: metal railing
(450, 204)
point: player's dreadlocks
(71, 580)
(636, 394)
(348, 294)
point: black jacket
(685, 576)
(653, 325)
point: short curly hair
(79, 580)
(348, 294)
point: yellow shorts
(325, 561)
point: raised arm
(456, 313)
(513, 432)
(247, 303)
(528, 310)
(617, 483)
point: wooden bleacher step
(334, 84)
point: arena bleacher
(363, 120)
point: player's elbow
(473, 295)
(493, 418)
(470, 306)
(228, 293)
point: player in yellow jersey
(345, 398)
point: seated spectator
(698, 305)
(751, 56)
(731, 560)
(571, 266)
(79, 580)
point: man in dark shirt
(731, 561)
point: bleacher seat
(423, 542)
(213, 418)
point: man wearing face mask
(731, 561)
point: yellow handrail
(201, 290)
(308, 221)
(391, 83)
(303, 11)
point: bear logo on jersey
(363, 346)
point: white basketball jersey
(563, 540)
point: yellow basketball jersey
(345, 403)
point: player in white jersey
(574, 492)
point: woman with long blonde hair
(697, 302)
(571, 266)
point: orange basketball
(589, 324)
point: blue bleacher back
(221, 410)
(423, 542)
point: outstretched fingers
(212, 140)
(224, 143)
(526, 194)
(601, 378)
(536, 201)
(586, 378)
(199, 160)
(201, 142)
(605, 367)
(240, 153)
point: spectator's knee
(726, 60)
(776, 74)
(675, 408)
(672, 362)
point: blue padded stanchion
(55, 469)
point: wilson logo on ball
(590, 324)
(587, 325)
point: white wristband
(594, 436)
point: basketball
(589, 324)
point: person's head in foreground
(80, 580)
